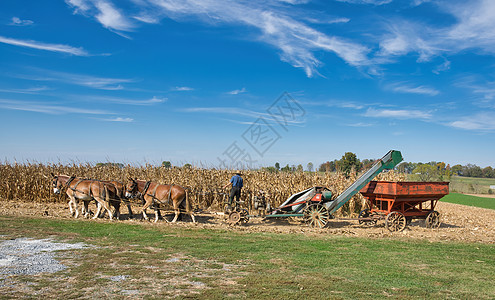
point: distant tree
(488, 172)
(286, 169)
(269, 169)
(349, 162)
(457, 170)
(299, 168)
(367, 163)
(166, 164)
(277, 166)
(310, 166)
(187, 166)
(425, 172)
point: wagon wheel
(365, 213)
(395, 221)
(244, 214)
(234, 217)
(433, 219)
(316, 215)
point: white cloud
(397, 114)
(236, 92)
(48, 109)
(373, 2)
(183, 88)
(479, 122)
(18, 22)
(33, 90)
(44, 46)
(119, 119)
(104, 12)
(407, 88)
(126, 101)
(95, 82)
(296, 41)
(230, 111)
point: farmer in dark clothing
(237, 184)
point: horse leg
(76, 211)
(156, 215)
(146, 205)
(70, 207)
(98, 211)
(131, 215)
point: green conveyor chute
(388, 162)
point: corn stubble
(32, 182)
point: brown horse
(156, 195)
(120, 188)
(85, 190)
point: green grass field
(170, 261)
(469, 200)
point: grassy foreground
(170, 261)
(469, 200)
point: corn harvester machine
(398, 203)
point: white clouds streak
(19, 22)
(478, 122)
(104, 12)
(296, 41)
(236, 92)
(182, 89)
(48, 109)
(44, 46)
(402, 87)
(119, 119)
(397, 114)
(95, 82)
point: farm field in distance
(471, 185)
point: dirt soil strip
(459, 223)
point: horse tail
(188, 204)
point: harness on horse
(156, 200)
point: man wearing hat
(237, 184)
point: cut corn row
(32, 182)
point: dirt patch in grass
(459, 223)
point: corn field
(32, 182)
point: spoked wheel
(395, 221)
(234, 217)
(316, 215)
(365, 214)
(433, 220)
(244, 213)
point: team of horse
(109, 194)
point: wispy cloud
(479, 122)
(373, 2)
(95, 82)
(230, 111)
(19, 22)
(119, 119)
(48, 109)
(104, 12)
(296, 40)
(126, 101)
(236, 92)
(33, 90)
(404, 87)
(474, 28)
(182, 88)
(44, 46)
(397, 114)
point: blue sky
(252, 82)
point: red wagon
(401, 202)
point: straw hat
(238, 172)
